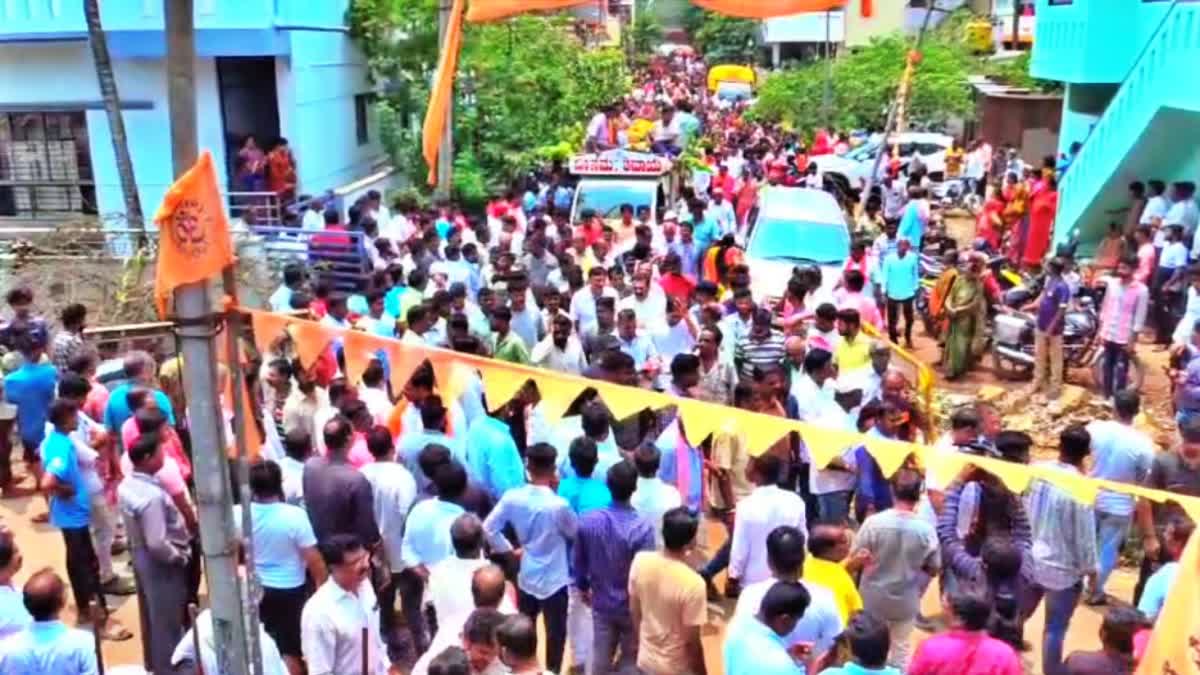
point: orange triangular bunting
(359, 349)
(310, 339)
(268, 327)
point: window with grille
(45, 165)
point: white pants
(104, 531)
(901, 635)
(579, 629)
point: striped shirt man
(1064, 533)
(764, 353)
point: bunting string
(502, 380)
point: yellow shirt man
(852, 353)
(833, 576)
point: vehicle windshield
(862, 152)
(606, 197)
(735, 91)
(799, 241)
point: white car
(856, 165)
(796, 227)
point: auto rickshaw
(732, 81)
(978, 35)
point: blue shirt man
(118, 410)
(31, 388)
(427, 532)
(49, 647)
(912, 223)
(584, 493)
(901, 273)
(59, 459)
(492, 456)
(544, 524)
(755, 648)
(705, 233)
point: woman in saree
(965, 311)
(1016, 205)
(989, 225)
(940, 295)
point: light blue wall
(45, 18)
(33, 17)
(1090, 41)
(324, 73)
(63, 73)
(317, 68)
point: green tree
(646, 31)
(864, 86)
(525, 88)
(723, 39)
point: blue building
(271, 68)
(1131, 100)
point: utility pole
(193, 309)
(1016, 25)
(902, 92)
(827, 96)
(445, 169)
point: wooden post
(366, 650)
(99, 619)
(194, 611)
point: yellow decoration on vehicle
(730, 73)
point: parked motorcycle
(1012, 343)
(956, 193)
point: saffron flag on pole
(1174, 647)
(193, 232)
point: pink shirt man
(960, 652)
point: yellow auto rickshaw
(732, 81)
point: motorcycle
(956, 193)
(1012, 343)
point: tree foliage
(524, 85)
(864, 86)
(723, 39)
(646, 31)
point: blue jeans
(834, 507)
(613, 636)
(1115, 367)
(1111, 531)
(1060, 605)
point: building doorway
(249, 107)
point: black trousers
(83, 569)
(410, 588)
(555, 609)
(893, 312)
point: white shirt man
(569, 359)
(764, 509)
(651, 311)
(818, 627)
(393, 490)
(331, 630)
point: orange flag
(494, 10)
(441, 98)
(193, 240)
(1175, 643)
(766, 9)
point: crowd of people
(427, 532)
